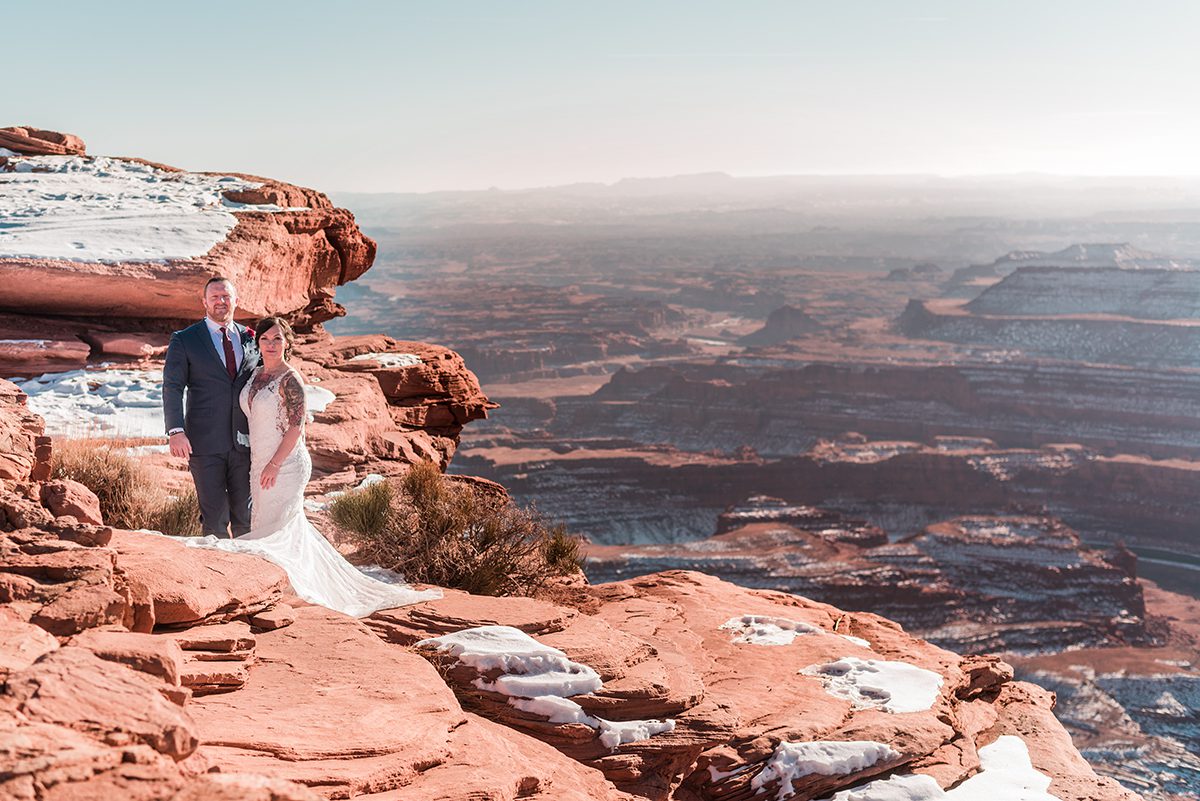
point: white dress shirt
(214, 330)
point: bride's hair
(267, 323)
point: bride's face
(272, 345)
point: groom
(212, 360)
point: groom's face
(220, 299)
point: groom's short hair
(218, 279)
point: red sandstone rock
(23, 643)
(155, 654)
(67, 497)
(226, 637)
(55, 763)
(456, 611)
(283, 262)
(189, 585)
(62, 587)
(1026, 711)
(328, 704)
(19, 511)
(243, 787)
(19, 430)
(276, 617)
(138, 346)
(37, 142)
(373, 426)
(204, 677)
(81, 607)
(286, 263)
(659, 645)
(74, 688)
(439, 379)
(488, 761)
(30, 357)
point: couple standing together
(240, 425)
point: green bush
(435, 530)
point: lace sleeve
(291, 390)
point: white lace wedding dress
(281, 533)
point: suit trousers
(223, 491)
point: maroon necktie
(230, 359)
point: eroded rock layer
(134, 667)
(287, 248)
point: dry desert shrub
(178, 516)
(128, 494)
(435, 530)
(126, 491)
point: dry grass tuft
(125, 489)
(128, 494)
(178, 516)
(438, 531)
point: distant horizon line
(720, 174)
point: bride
(273, 401)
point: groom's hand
(181, 446)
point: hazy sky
(408, 96)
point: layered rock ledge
(134, 667)
(91, 232)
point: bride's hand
(269, 474)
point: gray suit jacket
(214, 421)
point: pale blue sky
(407, 96)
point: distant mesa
(1146, 294)
(783, 324)
(927, 271)
(698, 182)
(1119, 255)
(1134, 314)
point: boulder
(155, 654)
(414, 375)
(66, 497)
(137, 346)
(74, 688)
(30, 357)
(277, 617)
(188, 585)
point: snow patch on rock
(791, 761)
(97, 209)
(1005, 772)
(758, 630)
(390, 359)
(114, 402)
(98, 403)
(540, 679)
(890, 686)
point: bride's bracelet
(276, 466)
